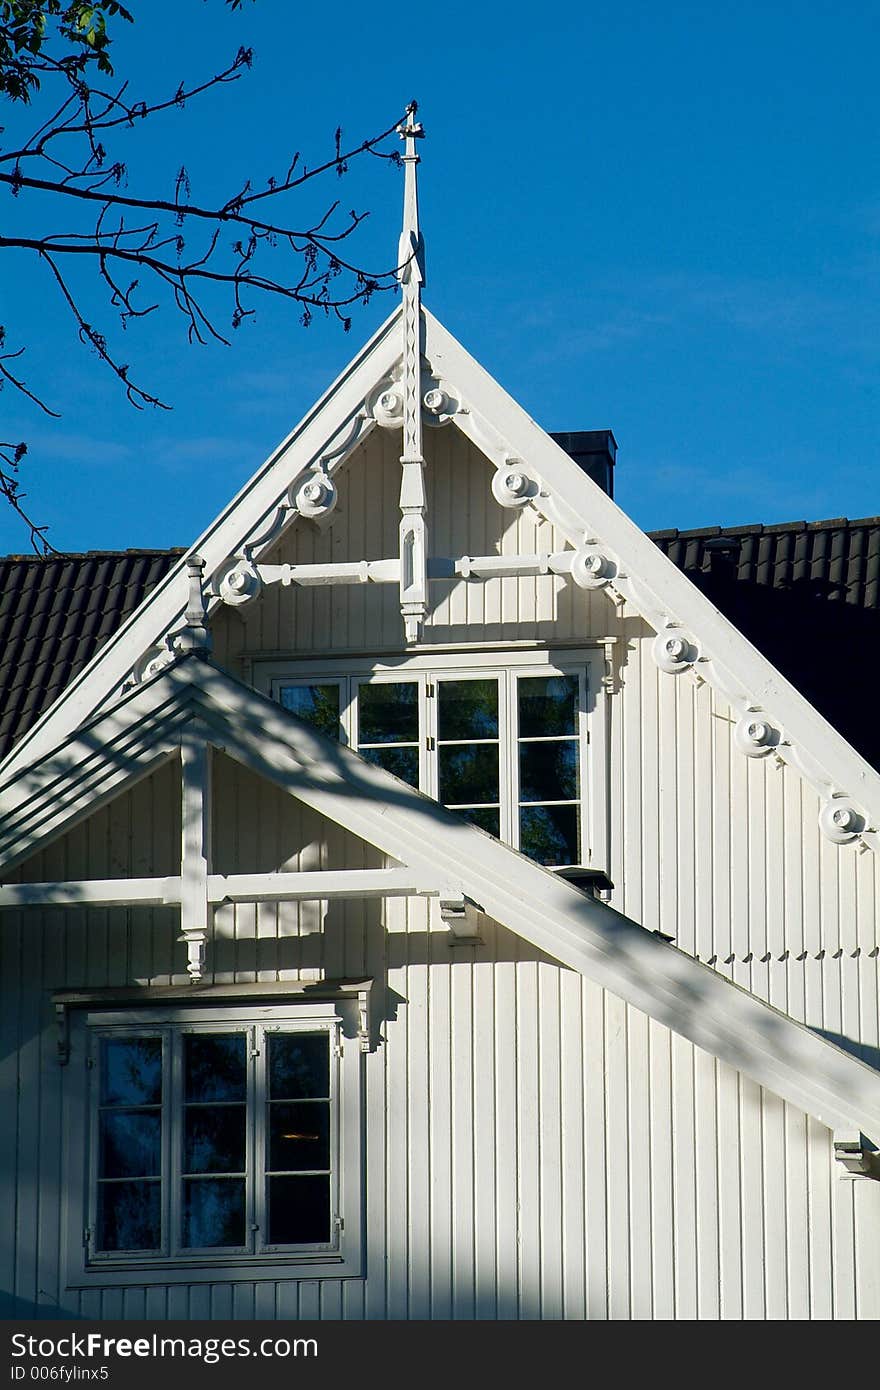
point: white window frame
(590, 663)
(341, 1257)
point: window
(225, 1140)
(517, 749)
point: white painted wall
(720, 851)
(534, 1146)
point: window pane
(130, 1143)
(547, 705)
(403, 762)
(214, 1139)
(316, 704)
(548, 771)
(299, 1136)
(131, 1071)
(213, 1212)
(549, 834)
(467, 709)
(486, 817)
(129, 1216)
(388, 712)
(299, 1065)
(469, 774)
(299, 1210)
(214, 1066)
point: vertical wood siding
(719, 851)
(535, 1147)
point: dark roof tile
(807, 594)
(55, 613)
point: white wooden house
(287, 1037)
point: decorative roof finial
(195, 636)
(411, 251)
(413, 533)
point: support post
(195, 909)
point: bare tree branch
(49, 49)
(11, 456)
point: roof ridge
(760, 528)
(97, 554)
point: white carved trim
(315, 496)
(755, 736)
(840, 821)
(513, 485)
(240, 584)
(656, 588)
(674, 651)
(590, 569)
(194, 635)
(413, 530)
(386, 405)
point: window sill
(322, 1266)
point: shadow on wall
(17, 1309)
(292, 1301)
(863, 1051)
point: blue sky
(662, 219)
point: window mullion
(172, 1146)
(336, 1194)
(428, 777)
(348, 697)
(257, 1136)
(93, 1063)
(512, 746)
(584, 754)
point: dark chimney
(595, 451)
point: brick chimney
(595, 451)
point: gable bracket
(857, 1155)
(459, 914)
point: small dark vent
(595, 451)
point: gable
(707, 646)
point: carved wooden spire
(413, 528)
